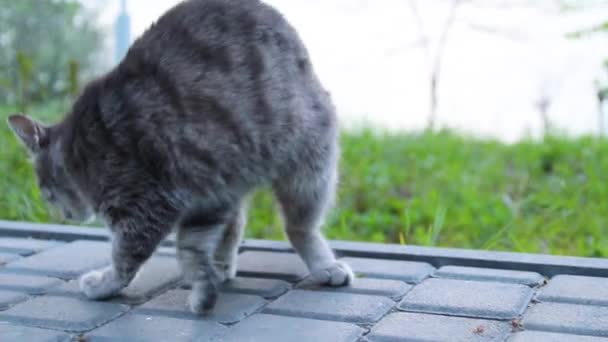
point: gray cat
(217, 98)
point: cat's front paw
(338, 274)
(100, 284)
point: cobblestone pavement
(402, 293)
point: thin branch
(437, 63)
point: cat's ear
(33, 134)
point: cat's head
(56, 185)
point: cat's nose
(67, 214)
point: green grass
(436, 189)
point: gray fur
(216, 99)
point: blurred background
(466, 123)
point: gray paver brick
(542, 336)
(67, 261)
(267, 288)
(408, 271)
(24, 246)
(576, 289)
(62, 313)
(406, 326)
(140, 328)
(17, 333)
(348, 307)
(468, 298)
(379, 287)
(230, 307)
(27, 283)
(9, 298)
(490, 274)
(8, 257)
(568, 318)
(287, 266)
(271, 328)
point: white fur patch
(101, 284)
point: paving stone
(490, 274)
(62, 313)
(8, 257)
(576, 290)
(405, 326)
(286, 266)
(31, 284)
(468, 298)
(16, 333)
(25, 246)
(378, 287)
(271, 328)
(349, 307)
(568, 318)
(10, 298)
(541, 336)
(408, 271)
(230, 307)
(67, 261)
(267, 288)
(140, 328)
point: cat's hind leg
(305, 196)
(198, 237)
(227, 251)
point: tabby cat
(217, 98)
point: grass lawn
(438, 189)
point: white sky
(366, 54)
